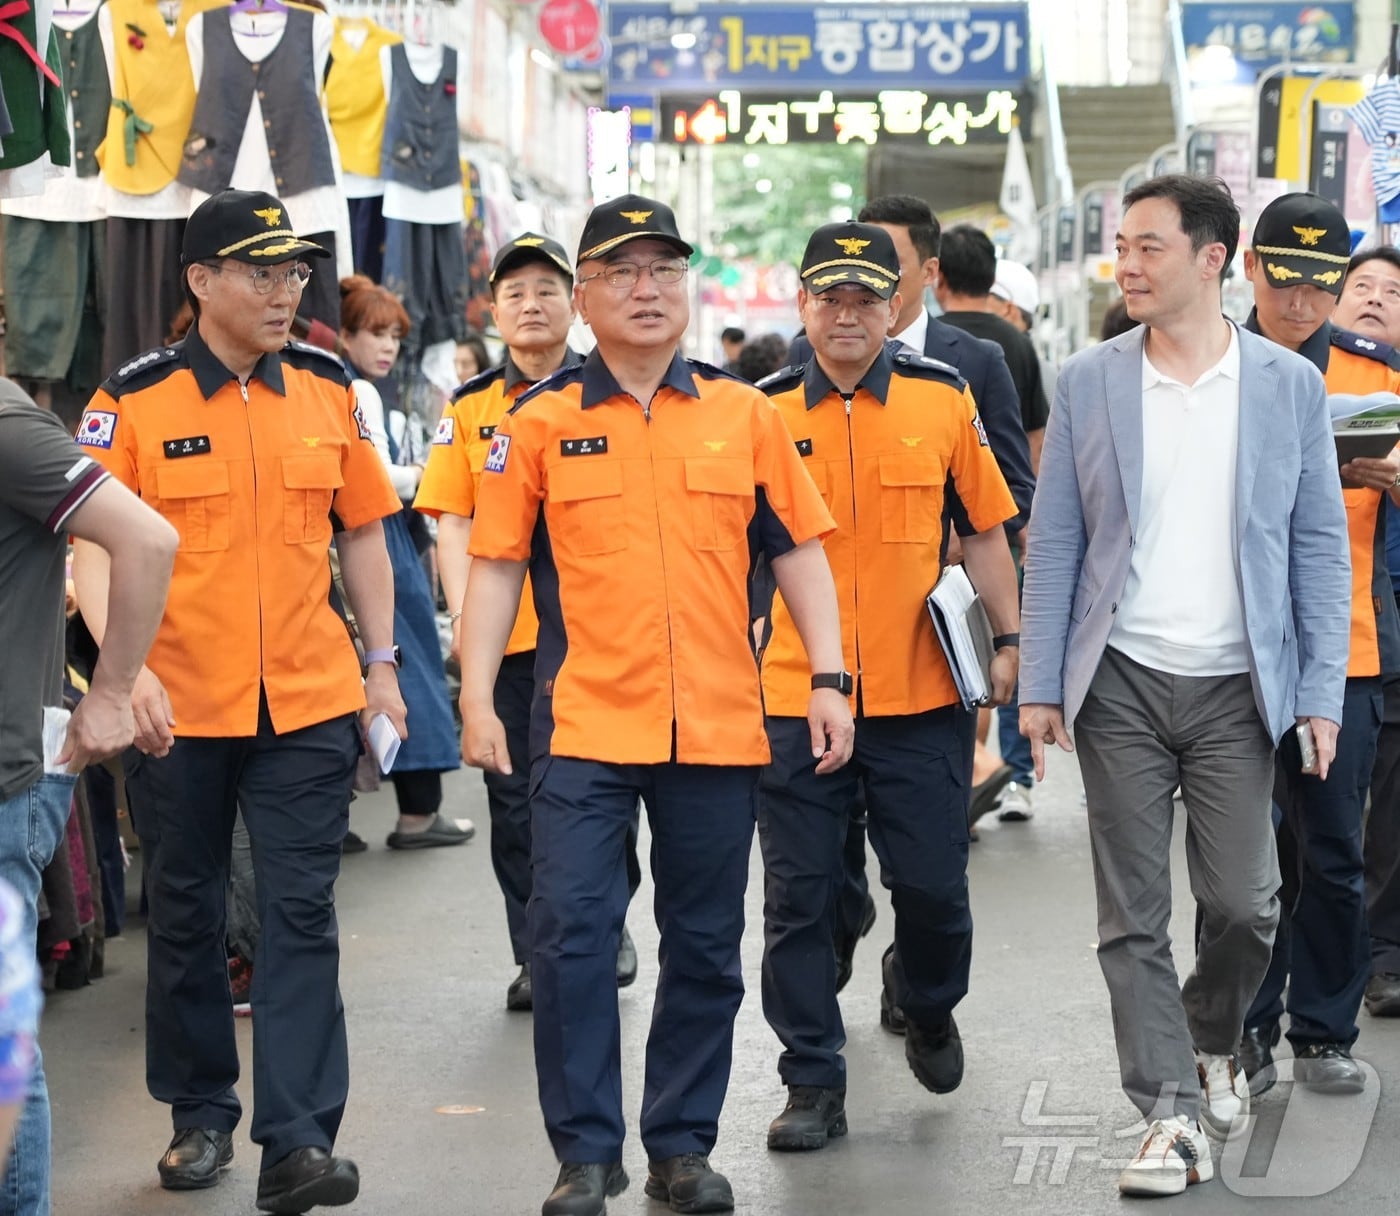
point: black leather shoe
(1383, 995)
(688, 1184)
(935, 1055)
(307, 1178)
(984, 796)
(520, 996)
(626, 959)
(1257, 1057)
(1328, 1068)
(194, 1159)
(810, 1118)
(583, 1188)
(846, 944)
(891, 1015)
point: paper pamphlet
(55, 733)
(964, 631)
(384, 741)
(1364, 424)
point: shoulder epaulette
(1367, 348)
(782, 379)
(144, 370)
(911, 363)
(478, 382)
(317, 360)
(555, 379)
(710, 372)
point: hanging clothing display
(356, 105)
(259, 125)
(1377, 116)
(425, 263)
(54, 241)
(31, 83)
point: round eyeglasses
(626, 274)
(264, 280)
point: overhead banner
(908, 116)
(855, 48)
(1233, 43)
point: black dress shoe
(985, 795)
(520, 996)
(891, 1015)
(194, 1159)
(1327, 1068)
(810, 1118)
(1383, 995)
(846, 944)
(1257, 1057)
(935, 1055)
(688, 1184)
(307, 1178)
(626, 959)
(583, 1188)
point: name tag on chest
(195, 445)
(596, 446)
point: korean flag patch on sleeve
(96, 429)
(360, 422)
(496, 456)
(446, 429)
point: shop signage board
(851, 48)
(1285, 120)
(892, 115)
(1259, 36)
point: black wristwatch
(842, 681)
(1006, 639)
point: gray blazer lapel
(1258, 391)
(1123, 391)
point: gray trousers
(1141, 733)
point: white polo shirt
(1181, 610)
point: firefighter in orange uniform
(634, 486)
(1298, 264)
(253, 447)
(881, 429)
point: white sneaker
(1174, 1154)
(1015, 804)
(1224, 1092)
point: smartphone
(1308, 746)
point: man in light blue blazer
(1186, 602)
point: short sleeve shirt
(44, 478)
(640, 526)
(256, 479)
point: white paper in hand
(383, 741)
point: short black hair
(1206, 208)
(762, 357)
(968, 263)
(1116, 321)
(906, 211)
(731, 333)
(1380, 253)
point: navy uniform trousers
(1383, 841)
(508, 801)
(913, 771)
(702, 821)
(294, 791)
(1322, 949)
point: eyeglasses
(831, 302)
(626, 274)
(264, 281)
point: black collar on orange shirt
(211, 375)
(599, 383)
(1317, 350)
(816, 384)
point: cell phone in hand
(1308, 746)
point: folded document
(965, 633)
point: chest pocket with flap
(911, 496)
(194, 496)
(309, 483)
(721, 494)
(585, 509)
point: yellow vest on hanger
(355, 100)
(152, 95)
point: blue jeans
(31, 827)
(1015, 747)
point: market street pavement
(443, 1116)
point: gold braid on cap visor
(612, 242)
(875, 266)
(1279, 251)
(253, 240)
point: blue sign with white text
(1259, 36)
(755, 47)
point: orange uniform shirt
(451, 480)
(250, 484)
(637, 525)
(1358, 365)
(881, 462)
